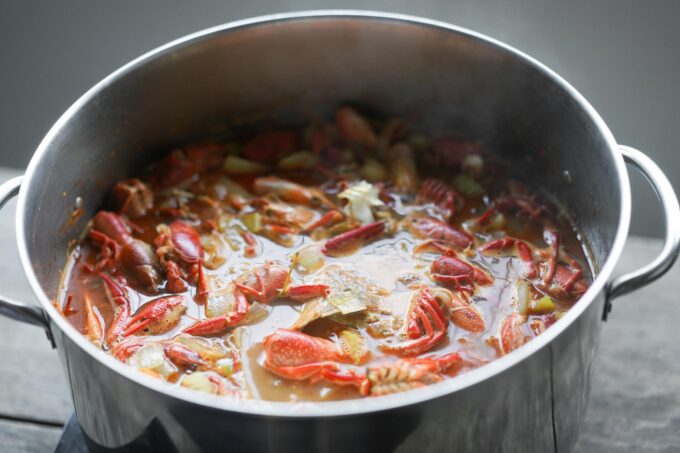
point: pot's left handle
(20, 311)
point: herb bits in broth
(344, 259)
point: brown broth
(390, 262)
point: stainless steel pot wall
(531, 400)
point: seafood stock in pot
(346, 258)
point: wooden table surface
(634, 405)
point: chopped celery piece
(543, 305)
(523, 296)
(225, 366)
(234, 165)
(354, 345)
(200, 381)
(497, 221)
(468, 186)
(257, 313)
(301, 160)
(373, 171)
(252, 221)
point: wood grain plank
(19, 437)
(32, 384)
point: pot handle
(633, 280)
(19, 311)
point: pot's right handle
(13, 309)
(647, 274)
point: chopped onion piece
(473, 165)
(203, 347)
(220, 297)
(347, 302)
(151, 357)
(313, 310)
(310, 258)
(257, 313)
(200, 381)
(361, 197)
(234, 188)
(214, 250)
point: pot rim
(344, 407)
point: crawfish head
(426, 326)
(186, 242)
(141, 264)
(520, 203)
(205, 156)
(511, 333)
(113, 226)
(179, 248)
(434, 229)
(448, 269)
(291, 348)
(181, 355)
(295, 355)
(264, 283)
(355, 128)
(127, 346)
(461, 312)
(441, 195)
(132, 198)
(174, 169)
(156, 317)
(135, 257)
(289, 191)
(406, 374)
(270, 146)
(568, 281)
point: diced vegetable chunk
(543, 305)
(361, 197)
(200, 381)
(468, 186)
(234, 165)
(301, 160)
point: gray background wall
(622, 55)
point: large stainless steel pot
(531, 400)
